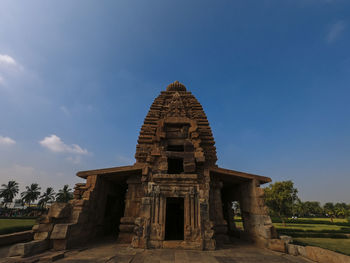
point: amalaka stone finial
(176, 86)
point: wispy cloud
(55, 144)
(6, 141)
(10, 70)
(335, 31)
(7, 60)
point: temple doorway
(174, 224)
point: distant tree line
(32, 193)
(283, 202)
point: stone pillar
(132, 210)
(220, 224)
(257, 222)
(156, 229)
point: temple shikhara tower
(173, 196)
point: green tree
(300, 208)
(313, 208)
(47, 197)
(9, 191)
(64, 195)
(280, 198)
(329, 210)
(341, 210)
(31, 194)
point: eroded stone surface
(238, 253)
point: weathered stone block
(35, 227)
(60, 231)
(292, 250)
(264, 231)
(59, 210)
(301, 250)
(41, 235)
(45, 227)
(277, 245)
(29, 248)
(16, 237)
(286, 239)
(325, 256)
(59, 244)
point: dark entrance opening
(175, 165)
(174, 224)
(114, 208)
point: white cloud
(7, 60)
(55, 144)
(335, 30)
(6, 141)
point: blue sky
(77, 79)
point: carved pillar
(220, 224)
(157, 232)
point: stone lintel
(239, 175)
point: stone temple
(174, 196)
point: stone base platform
(112, 252)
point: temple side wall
(83, 218)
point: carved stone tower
(173, 196)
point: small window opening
(175, 166)
(175, 148)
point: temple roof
(224, 174)
(176, 104)
(232, 175)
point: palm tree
(9, 191)
(31, 194)
(64, 195)
(47, 197)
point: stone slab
(325, 256)
(17, 237)
(29, 248)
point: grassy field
(335, 220)
(321, 232)
(15, 225)
(338, 245)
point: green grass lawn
(314, 227)
(15, 225)
(338, 245)
(322, 233)
(335, 220)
